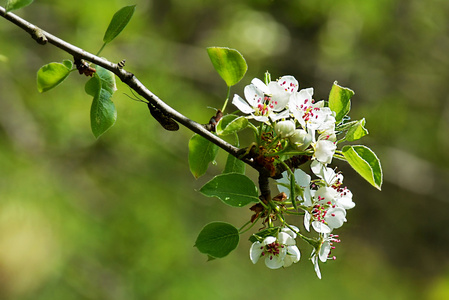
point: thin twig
(125, 76)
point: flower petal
(335, 217)
(316, 266)
(274, 261)
(255, 251)
(261, 86)
(321, 227)
(286, 239)
(253, 95)
(242, 105)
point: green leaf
(234, 165)
(16, 4)
(230, 124)
(261, 235)
(363, 160)
(201, 153)
(51, 75)
(102, 113)
(217, 239)
(357, 131)
(92, 86)
(67, 63)
(232, 188)
(229, 63)
(340, 101)
(119, 21)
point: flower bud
(284, 128)
(300, 139)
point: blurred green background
(116, 218)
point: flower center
(272, 249)
(265, 105)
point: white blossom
(279, 251)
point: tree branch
(43, 37)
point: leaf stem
(227, 99)
(101, 49)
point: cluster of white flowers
(308, 126)
(324, 202)
(298, 117)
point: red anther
(333, 215)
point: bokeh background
(117, 217)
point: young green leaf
(51, 75)
(201, 153)
(16, 4)
(363, 160)
(232, 188)
(119, 21)
(102, 113)
(229, 64)
(356, 131)
(230, 124)
(339, 101)
(217, 239)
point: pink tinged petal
(261, 86)
(242, 105)
(255, 252)
(321, 227)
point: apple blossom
(279, 251)
(323, 251)
(285, 128)
(300, 139)
(266, 102)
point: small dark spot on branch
(39, 36)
